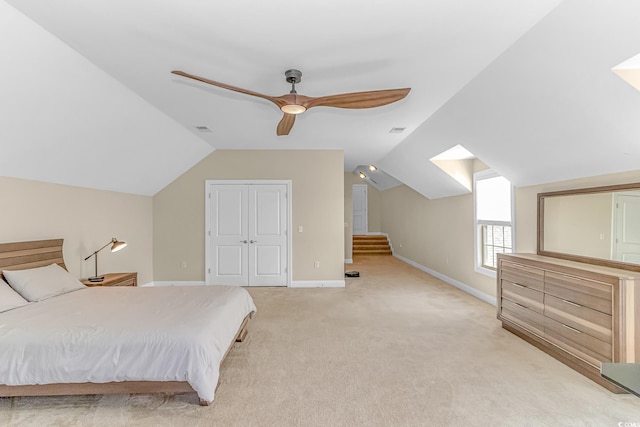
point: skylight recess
(457, 162)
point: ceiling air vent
(203, 129)
(397, 130)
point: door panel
(229, 211)
(267, 235)
(229, 261)
(267, 260)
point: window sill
(485, 271)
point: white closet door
(248, 238)
(229, 235)
(267, 235)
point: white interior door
(359, 200)
(247, 237)
(267, 235)
(229, 235)
(626, 230)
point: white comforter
(106, 334)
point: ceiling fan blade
(286, 124)
(276, 100)
(355, 100)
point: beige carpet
(396, 347)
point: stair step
(371, 245)
(376, 252)
(369, 238)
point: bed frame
(39, 253)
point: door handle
(253, 241)
(243, 241)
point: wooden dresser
(581, 314)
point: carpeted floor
(396, 347)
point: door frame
(207, 219)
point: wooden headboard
(38, 253)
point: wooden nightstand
(115, 279)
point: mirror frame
(580, 258)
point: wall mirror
(599, 225)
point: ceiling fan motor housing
(293, 76)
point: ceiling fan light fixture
(293, 109)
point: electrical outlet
(316, 264)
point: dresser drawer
(530, 298)
(585, 292)
(530, 277)
(522, 316)
(592, 322)
(577, 342)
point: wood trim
(131, 387)
(598, 261)
(37, 253)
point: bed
(101, 340)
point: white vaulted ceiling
(87, 98)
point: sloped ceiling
(548, 109)
(88, 98)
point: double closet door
(247, 237)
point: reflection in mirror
(604, 225)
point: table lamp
(115, 247)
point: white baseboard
(175, 283)
(348, 261)
(463, 287)
(317, 284)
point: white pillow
(36, 284)
(9, 298)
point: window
(493, 195)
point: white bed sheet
(105, 334)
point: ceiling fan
(292, 104)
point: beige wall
(438, 234)
(374, 210)
(86, 219)
(317, 205)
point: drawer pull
(573, 329)
(571, 303)
(520, 305)
(519, 285)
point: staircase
(371, 245)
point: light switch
(299, 229)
